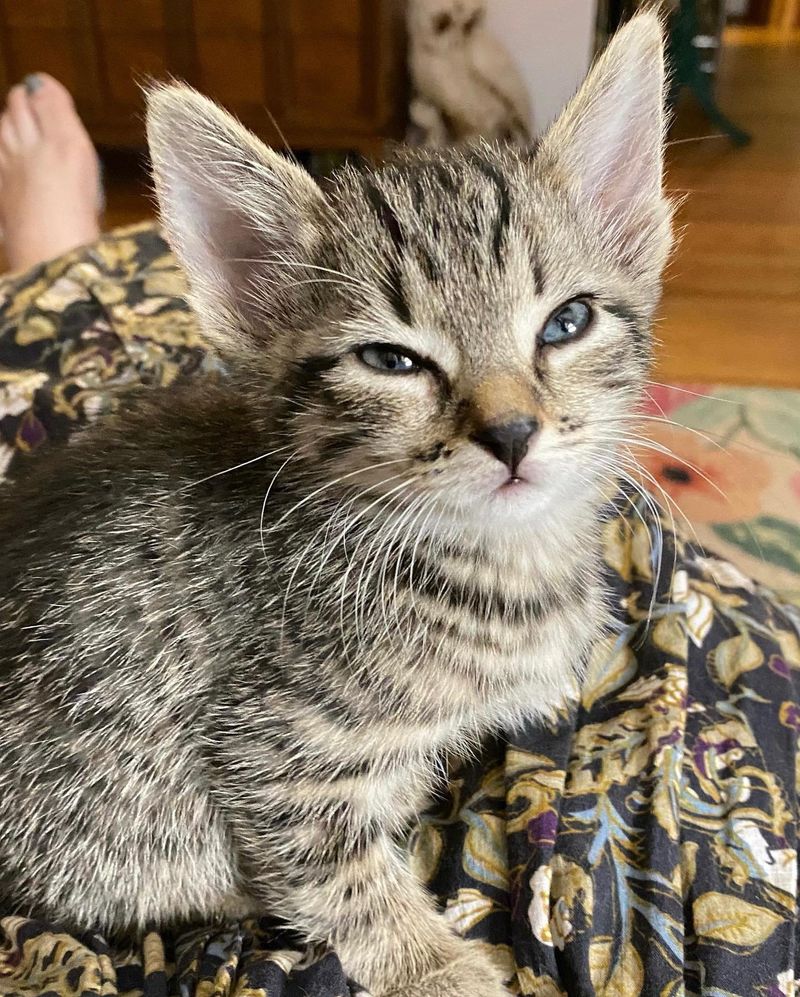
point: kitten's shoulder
(158, 440)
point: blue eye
(566, 323)
(388, 359)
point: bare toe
(21, 114)
(9, 140)
(48, 88)
(49, 177)
(53, 107)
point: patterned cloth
(78, 331)
(643, 844)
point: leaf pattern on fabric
(733, 657)
(467, 909)
(485, 849)
(612, 666)
(731, 921)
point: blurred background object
(331, 73)
(551, 43)
(464, 84)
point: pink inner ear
(622, 140)
(608, 147)
(608, 142)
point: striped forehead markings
(389, 221)
(490, 171)
(393, 285)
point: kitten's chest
(468, 643)
(436, 641)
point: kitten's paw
(471, 974)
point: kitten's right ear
(608, 145)
(241, 219)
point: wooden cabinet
(329, 72)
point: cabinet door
(329, 73)
(325, 73)
(35, 35)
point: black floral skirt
(643, 843)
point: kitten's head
(469, 325)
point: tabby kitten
(243, 621)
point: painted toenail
(32, 82)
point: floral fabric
(642, 843)
(77, 332)
(646, 843)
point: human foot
(49, 174)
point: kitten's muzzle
(507, 441)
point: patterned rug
(727, 462)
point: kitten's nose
(508, 441)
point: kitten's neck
(372, 577)
(442, 631)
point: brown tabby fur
(241, 633)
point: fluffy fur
(240, 634)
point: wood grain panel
(326, 81)
(232, 69)
(329, 19)
(27, 50)
(328, 71)
(237, 19)
(137, 17)
(53, 15)
(131, 60)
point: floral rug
(727, 462)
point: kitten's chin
(527, 501)
(513, 501)
(518, 499)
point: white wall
(551, 42)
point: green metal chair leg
(687, 71)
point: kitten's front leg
(389, 936)
(355, 890)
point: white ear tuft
(238, 215)
(608, 145)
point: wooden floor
(731, 309)
(732, 304)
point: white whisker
(228, 470)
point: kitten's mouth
(513, 483)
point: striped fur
(246, 626)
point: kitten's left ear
(608, 145)
(242, 220)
